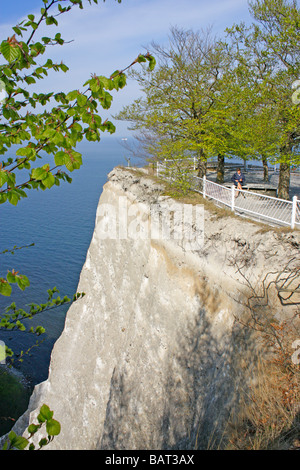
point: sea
(60, 223)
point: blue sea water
(60, 223)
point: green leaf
(3, 198)
(8, 72)
(33, 428)
(5, 288)
(46, 40)
(21, 443)
(45, 414)
(106, 103)
(73, 160)
(81, 100)
(49, 180)
(39, 330)
(53, 427)
(26, 152)
(152, 62)
(43, 442)
(13, 197)
(141, 58)
(3, 177)
(64, 67)
(20, 326)
(40, 174)
(22, 282)
(18, 442)
(122, 80)
(11, 277)
(17, 31)
(59, 158)
(12, 436)
(72, 95)
(11, 179)
(29, 80)
(10, 52)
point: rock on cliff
(153, 356)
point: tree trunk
(202, 164)
(266, 169)
(284, 181)
(221, 169)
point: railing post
(294, 207)
(232, 197)
(194, 163)
(157, 169)
(204, 187)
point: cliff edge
(155, 355)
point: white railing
(242, 202)
(213, 164)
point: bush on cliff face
(269, 416)
(270, 413)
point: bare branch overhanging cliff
(154, 356)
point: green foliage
(13, 317)
(178, 174)
(45, 419)
(186, 104)
(267, 57)
(229, 98)
(65, 119)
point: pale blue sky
(108, 36)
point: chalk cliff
(153, 356)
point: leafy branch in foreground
(55, 132)
(13, 317)
(12, 250)
(45, 419)
(66, 119)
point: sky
(109, 36)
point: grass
(14, 398)
(269, 417)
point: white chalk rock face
(153, 356)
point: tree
(181, 108)
(269, 50)
(66, 118)
(226, 98)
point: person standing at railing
(238, 180)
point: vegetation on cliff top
(232, 97)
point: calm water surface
(60, 222)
